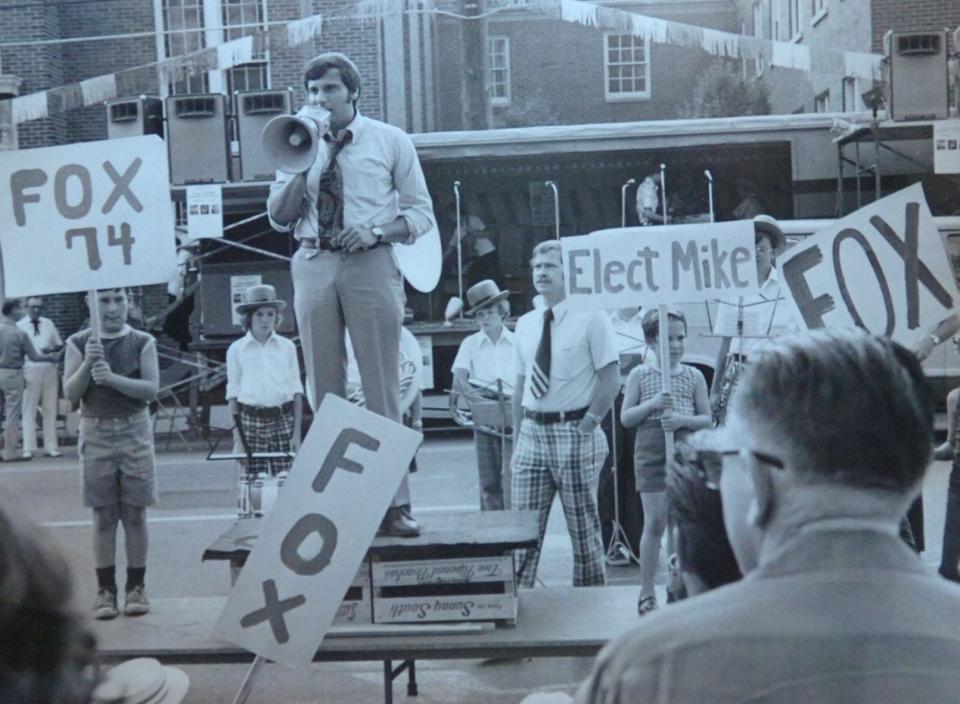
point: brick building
(852, 25)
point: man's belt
(326, 244)
(544, 417)
(266, 411)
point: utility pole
(477, 113)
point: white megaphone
(291, 142)
(454, 306)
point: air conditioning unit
(918, 76)
(134, 117)
(253, 110)
(198, 138)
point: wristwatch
(934, 339)
(378, 233)
(594, 417)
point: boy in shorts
(114, 379)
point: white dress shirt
(47, 337)
(382, 180)
(581, 344)
(485, 361)
(773, 312)
(263, 374)
(628, 334)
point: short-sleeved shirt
(14, 344)
(122, 353)
(263, 374)
(486, 361)
(581, 344)
(43, 336)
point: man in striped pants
(569, 375)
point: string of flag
(278, 36)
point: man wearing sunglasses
(826, 444)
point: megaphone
(454, 306)
(291, 142)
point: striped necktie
(540, 378)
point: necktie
(540, 378)
(330, 191)
(36, 326)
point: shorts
(117, 461)
(650, 456)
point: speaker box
(198, 138)
(134, 117)
(918, 80)
(220, 293)
(253, 110)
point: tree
(723, 92)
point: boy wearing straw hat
(484, 358)
(263, 382)
(114, 375)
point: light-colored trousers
(364, 292)
(11, 385)
(40, 387)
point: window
(793, 18)
(822, 102)
(758, 33)
(180, 15)
(184, 22)
(626, 61)
(851, 94)
(818, 9)
(776, 21)
(240, 18)
(498, 59)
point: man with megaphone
(349, 188)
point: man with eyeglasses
(825, 446)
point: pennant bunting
(304, 30)
(580, 12)
(96, 90)
(235, 52)
(861, 65)
(790, 55)
(32, 106)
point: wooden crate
(455, 589)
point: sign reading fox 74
(883, 268)
(86, 216)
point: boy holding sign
(112, 370)
(654, 412)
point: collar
(248, 338)
(355, 127)
(560, 310)
(773, 279)
(506, 335)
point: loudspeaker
(134, 117)
(198, 138)
(254, 109)
(917, 65)
(290, 143)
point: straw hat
(260, 295)
(142, 681)
(768, 226)
(484, 294)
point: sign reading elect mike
(86, 216)
(636, 266)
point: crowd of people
(783, 502)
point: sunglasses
(707, 465)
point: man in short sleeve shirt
(569, 376)
(40, 379)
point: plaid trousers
(266, 435)
(553, 457)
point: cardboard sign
(204, 211)
(883, 268)
(644, 266)
(314, 539)
(86, 216)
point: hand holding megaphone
(291, 142)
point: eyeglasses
(707, 465)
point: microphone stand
(456, 195)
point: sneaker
(54, 453)
(136, 602)
(106, 606)
(646, 604)
(27, 455)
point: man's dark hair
(10, 306)
(702, 544)
(851, 408)
(319, 65)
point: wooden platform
(554, 622)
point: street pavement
(198, 503)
